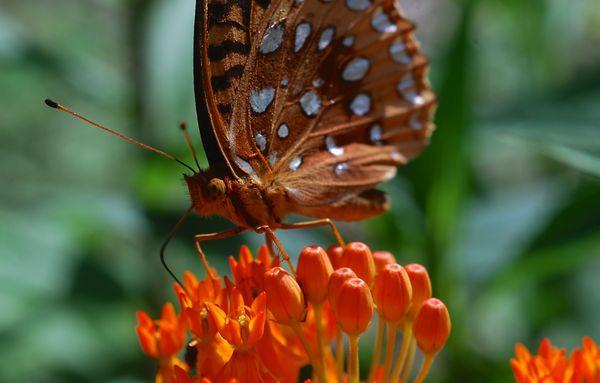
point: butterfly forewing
(323, 97)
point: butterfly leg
(199, 238)
(271, 237)
(163, 247)
(316, 223)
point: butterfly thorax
(241, 200)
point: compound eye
(215, 188)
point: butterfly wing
(331, 97)
(222, 42)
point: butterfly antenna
(188, 140)
(55, 105)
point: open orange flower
(242, 325)
(163, 339)
(587, 361)
(551, 364)
(248, 272)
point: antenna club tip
(182, 125)
(51, 103)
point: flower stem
(318, 368)
(377, 351)
(406, 340)
(339, 355)
(409, 363)
(389, 349)
(427, 362)
(354, 368)
(318, 309)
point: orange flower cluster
(267, 324)
(551, 364)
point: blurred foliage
(504, 207)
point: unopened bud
(335, 253)
(314, 269)
(354, 308)
(421, 285)
(336, 280)
(358, 257)
(382, 258)
(285, 299)
(392, 292)
(432, 326)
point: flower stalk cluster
(267, 323)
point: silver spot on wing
(358, 5)
(283, 131)
(361, 104)
(310, 103)
(326, 38)
(332, 147)
(272, 38)
(261, 99)
(261, 141)
(381, 22)
(302, 32)
(295, 163)
(356, 69)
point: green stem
(318, 309)
(339, 355)
(406, 340)
(311, 356)
(389, 349)
(354, 368)
(427, 362)
(377, 350)
(410, 359)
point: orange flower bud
(335, 253)
(285, 299)
(354, 308)
(392, 292)
(314, 269)
(336, 280)
(432, 326)
(382, 258)
(421, 285)
(358, 257)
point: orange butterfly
(304, 106)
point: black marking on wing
(263, 3)
(223, 82)
(224, 108)
(218, 12)
(219, 52)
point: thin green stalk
(339, 355)
(427, 362)
(354, 368)
(406, 340)
(318, 309)
(410, 359)
(389, 349)
(377, 349)
(311, 356)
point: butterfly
(304, 106)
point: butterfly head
(207, 192)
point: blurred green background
(503, 207)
